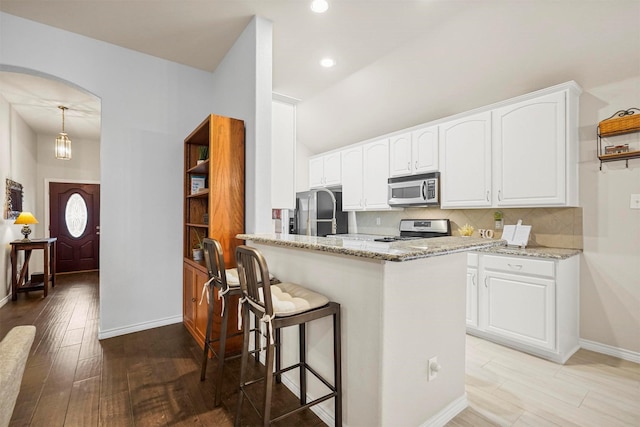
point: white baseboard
(110, 333)
(448, 413)
(5, 300)
(631, 356)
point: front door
(75, 221)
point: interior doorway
(74, 210)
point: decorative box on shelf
(198, 183)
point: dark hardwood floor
(149, 378)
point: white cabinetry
(472, 290)
(414, 152)
(530, 161)
(325, 170)
(519, 153)
(528, 303)
(465, 162)
(352, 179)
(365, 173)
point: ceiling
(199, 33)
(399, 62)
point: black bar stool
(227, 283)
(278, 306)
(218, 276)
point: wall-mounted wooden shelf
(621, 123)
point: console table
(21, 282)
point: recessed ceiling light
(319, 6)
(327, 62)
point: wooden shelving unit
(621, 123)
(223, 202)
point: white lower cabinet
(527, 303)
(472, 290)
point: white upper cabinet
(325, 170)
(364, 177)
(465, 162)
(400, 155)
(529, 152)
(352, 179)
(414, 152)
(520, 153)
(376, 174)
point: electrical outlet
(433, 368)
(634, 202)
(378, 221)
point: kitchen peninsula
(403, 303)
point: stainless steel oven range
(420, 229)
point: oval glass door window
(75, 215)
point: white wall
(242, 89)
(148, 106)
(17, 162)
(610, 271)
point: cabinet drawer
(520, 265)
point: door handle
(515, 266)
(485, 283)
(487, 195)
(499, 195)
(473, 279)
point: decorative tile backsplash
(550, 227)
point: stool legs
(207, 342)
(221, 349)
(337, 367)
(303, 361)
(272, 356)
(243, 364)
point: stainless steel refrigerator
(314, 210)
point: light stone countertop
(534, 252)
(395, 251)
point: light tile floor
(508, 388)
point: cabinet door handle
(473, 279)
(409, 165)
(485, 282)
(515, 266)
(416, 165)
(487, 195)
(499, 195)
(193, 300)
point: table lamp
(26, 218)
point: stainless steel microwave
(415, 190)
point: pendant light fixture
(63, 143)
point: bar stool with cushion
(278, 306)
(227, 283)
(224, 282)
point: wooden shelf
(202, 168)
(623, 122)
(619, 156)
(222, 203)
(193, 224)
(199, 195)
